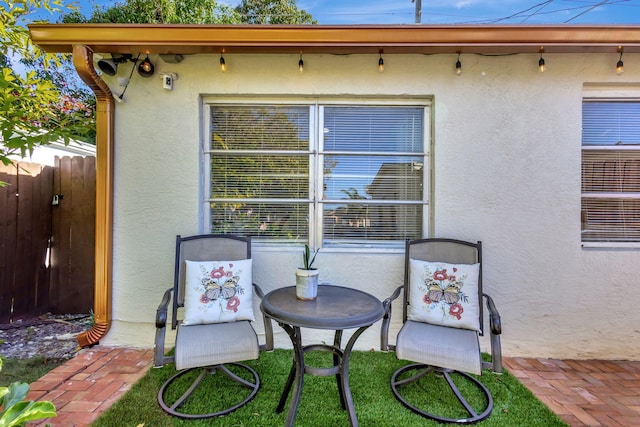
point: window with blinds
(610, 171)
(331, 175)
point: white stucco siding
(506, 153)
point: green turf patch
(370, 374)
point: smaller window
(610, 171)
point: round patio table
(336, 308)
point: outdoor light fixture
(110, 66)
(541, 65)
(146, 68)
(381, 63)
(458, 65)
(301, 64)
(620, 64)
(223, 65)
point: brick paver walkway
(584, 392)
(85, 386)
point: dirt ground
(51, 336)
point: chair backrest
(204, 247)
(450, 251)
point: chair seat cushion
(452, 348)
(215, 344)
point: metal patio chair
(442, 320)
(210, 348)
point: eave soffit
(336, 39)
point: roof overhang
(336, 39)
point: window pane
(611, 171)
(373, 177)
(269, 127)
(259, 177)
(610, 123)
(610, 220)
(288, 221)
(371, 222)
(392, 129)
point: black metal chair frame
(419, 370)
(160, 359)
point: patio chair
(442, 320)
(213, 289)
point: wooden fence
(47, 223)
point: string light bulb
(146, 68)
(301, 64)
(620, 64)
(223, 64)
(458, 65)
(541, 65)
(381, 63)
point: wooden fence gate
(47, 235)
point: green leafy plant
(15, 411)
(307, 259)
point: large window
(610, 170)
(328, 174)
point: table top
(336, 307)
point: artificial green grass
(26, 370)
(370, 373)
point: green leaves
(15, 411)
(31, 107)
(307, 259)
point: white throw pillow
(218, 291)
(444, 294)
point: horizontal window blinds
(610, 123)
(259, 171)
(611, 172)
(373, 173)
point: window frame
(316, 152)
(596, 95)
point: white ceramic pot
(307, 284)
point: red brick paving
(582, 392)
(85, 386)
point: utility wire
(588, 10)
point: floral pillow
(218, 291)
(444, 294)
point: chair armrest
(386, 319)
(159, 359)
(161, 312)
(496, 330)
(258, 290)
(494, 316)
(268, 327)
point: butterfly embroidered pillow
(444, 294)
(218, 291)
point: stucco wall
(507, 172)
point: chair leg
(174, 408)
(421, 371)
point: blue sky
(461, 11)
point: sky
(459, 11)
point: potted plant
(307, 276)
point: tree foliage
(33, 111)
(159, 12)
(195, 12)
(273, 12)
